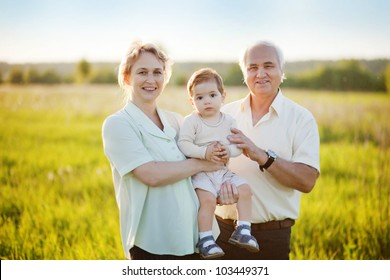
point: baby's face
(206, 98)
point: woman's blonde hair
(132, 55)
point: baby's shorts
(212, 181)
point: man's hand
(249, 148)
(228, 194)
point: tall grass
(57, 198)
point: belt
(271, 225)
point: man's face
(263, 71)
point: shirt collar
(142, 120)
(276, 104)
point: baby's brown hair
(204, 75)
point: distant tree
(69, 79)
(353, 76)
(50, 77)
(1, 76)
(16, 76)
(83, 71)
(180, 79)
(103, 76)
(234, 76)
(387, 77)
(32, 76)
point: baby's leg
(207, 246)
(242, 236)
(244, 203)
(208, 203)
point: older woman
(157, 203)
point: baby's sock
(244, 231)
(209, 242)
(247, 232)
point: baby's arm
(186, 140)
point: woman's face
(146, 79)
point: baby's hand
(225, 152)
(214, 152)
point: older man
(280, 160)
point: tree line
(345, 75)
(84, 73)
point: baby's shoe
(208, 249)
(245, 241)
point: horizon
(197, 61)
(43, 31)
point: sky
(34, 31)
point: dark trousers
(274, 244)
(137, 253)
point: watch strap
(267, 163)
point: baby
(204, 135)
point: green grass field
(57, 197)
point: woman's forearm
(160, 173)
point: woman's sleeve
(123, 145)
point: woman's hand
(228, 194)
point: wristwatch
(271, 158)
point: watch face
(271, 153)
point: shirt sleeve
(306, 144)
(175, 120)
(187, 137)
(123, 145)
